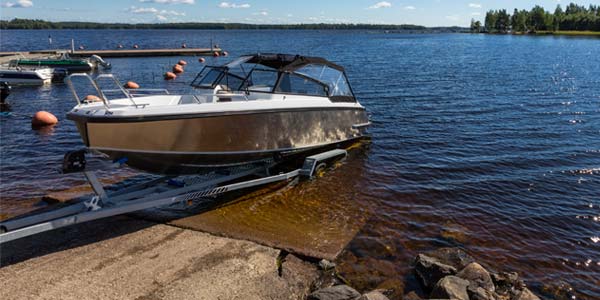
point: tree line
(41, 24)
(573, 18)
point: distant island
(41, 24)
(575, 19)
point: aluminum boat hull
(180, 144)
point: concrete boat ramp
(127, 258)
(229, 252)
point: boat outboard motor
(97, 59)
(4, 92)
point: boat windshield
(311, 79)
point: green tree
(558, 16)
(490, 21)
(475, 26)
(502, 21)
(537, 18)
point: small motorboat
(256, 108)
(24, 76)
(64, 62)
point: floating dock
(7, 56)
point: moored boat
(64, 62)
(258, 107)
(22, 76)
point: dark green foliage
(574, 17)
(39, 24)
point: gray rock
(479, 293)
(526, 294)
(373, 295)
(451, 287)
(507, 283)
(477, 275)
(338, 292)
(452, 256)
(412, 296)
(326, 265)
(430, 270)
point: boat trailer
(154, 193)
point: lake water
(490, 143)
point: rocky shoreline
(446, 273)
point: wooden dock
(116, 53)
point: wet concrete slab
(301, 218)
(125, 258)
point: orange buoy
(201, 60)
(177, 69)
(92, 98)
(43, 118)
(216, 54)
(182, 62)
(170, 76)
(183, 45)
(132, 85)
(225, 53)
(135, 46)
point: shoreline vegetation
(41, 24)
(573, 20)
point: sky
(424, 12)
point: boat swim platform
(113, 53)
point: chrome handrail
(92, 81)
(99, 91)
(123, 90)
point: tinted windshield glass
(334, 79)
(207, 78)
(262, 80)
(295, 84)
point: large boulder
(412, 295)
(373, 295)
(455, 257)
(477, 275)
(526, 294)
(430, 270)
(479, 293)
(450, 287)
(507, 283)
(338, 292)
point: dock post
(72, 46)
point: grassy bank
(570, 32)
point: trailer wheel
(320, 169)
(3, 229)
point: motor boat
(24, 76)
(255, 108)
(63, 62)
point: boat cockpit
(277, 74)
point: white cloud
(264, 13)
(474, 5)
(161, 18)
(154, 11)
(18, 4)
(410, 7)
(170, 1)
(143, 10)
(476, 14)
(382, 4)
(233, 5)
